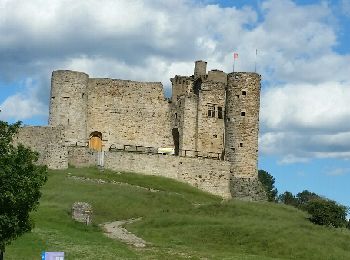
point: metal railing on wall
(154, 150)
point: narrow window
(82, 95)
(68, 121)
(242, 113)
(175, 115)
(244, 93)
(211, 111)
(220, 113)
(240, 144)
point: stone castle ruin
(205, 135)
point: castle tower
(68, 104)
(200, 69)
(242, 123)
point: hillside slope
(177, 220)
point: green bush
(326, 212)
(288, 198)
(268, 181)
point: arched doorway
(95, 141)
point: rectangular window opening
(240, 144)
(244, 93)
(220, 116)
(211, 111)
(242, 113)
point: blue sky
(303, 57)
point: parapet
(217, 76)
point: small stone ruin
(82, 212)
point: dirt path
(116, 231)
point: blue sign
(52, 256)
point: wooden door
(95, 143)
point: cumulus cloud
(23, 105)
(152, 40)
(305, 121)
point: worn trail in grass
(179, 222)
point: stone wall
(129, 113)
(249, 189)
(48, 141)
(68, 104)
(211, 127)
(81, 156)
(209, 175)
(242, 123)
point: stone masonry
(211, 123)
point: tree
(20, 183)
(305, 196)
(288, 198)
(268, 181)
(326, 212)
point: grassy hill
(179, 221)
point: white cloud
(22, 105)
(305, 96)
(338, 171)
(306, 121)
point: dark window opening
(176, 139)
(175, 115)
(211, 111)
(215, 136)
(68, 121)
(237, 96)
(240, 144)
(52, 97)
(82, 95)
(197, 86)
(242, 113)
(220, 116)
(244, 93)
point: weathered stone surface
(82, 212)
(206, 174)
(242, 123)
(249, 189)
(81, 156)
(48, 141)
(211, 116)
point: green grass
(179, 221)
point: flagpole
(256, 54)
(235, 56)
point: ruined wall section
(129, 113)
(211, 128)
(209, 175)
(68, 104)
(48, 141)
(217, 76)
(81, 156)
(242, 123)
(187, 112)
(200, 69)
(181, 85)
